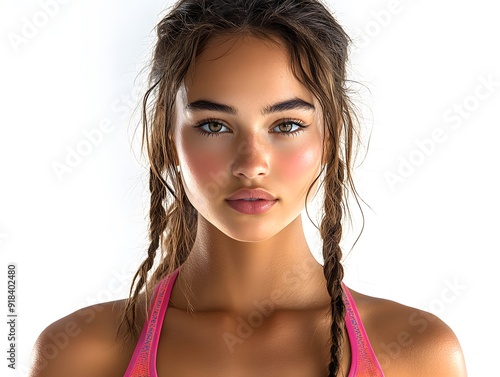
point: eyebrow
(291, 104)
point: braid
(171, 231)
(156, 227)
(181, 219)
(331, 232)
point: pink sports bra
(364, 363)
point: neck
(223, 274)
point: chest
(215, 344)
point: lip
(256, 193)
(251, 207)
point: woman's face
(244, 121)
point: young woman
(247, 118)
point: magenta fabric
(364, 363)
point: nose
(251, 160)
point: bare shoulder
(83, 344)
(409, 342)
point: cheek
(201, 166)
(299, 164)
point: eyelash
(297, 122)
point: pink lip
(257, 193)
(253, 207)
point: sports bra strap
(364, 362)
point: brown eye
(289, 128)
(285, 127)
(214, 126)
(210, 128)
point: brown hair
(318, 48)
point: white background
(78, 237)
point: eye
(210, 127)
(286, 127)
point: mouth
(251, 206)
(250, 199)
(251, 195)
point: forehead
(245, 68)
